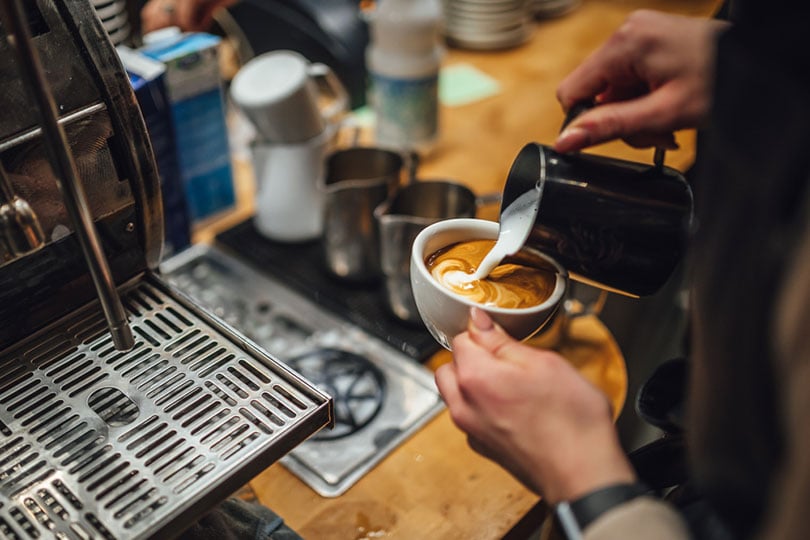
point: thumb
(487, 334)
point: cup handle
(488, 198)
(412, 162)
(574, 308)
(327, 80)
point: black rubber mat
(301, 267)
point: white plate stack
(115, 19)
(487, 24)
(553, 8)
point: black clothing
(753, 169)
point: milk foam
(507, 286)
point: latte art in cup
(511, 285)
(535, 288)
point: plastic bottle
(403, 59)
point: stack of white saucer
(553, 8)
(115, 19)
(487, 24)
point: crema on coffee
(509, 285)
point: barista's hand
(652, 77)
(530, 411)
(188, 15)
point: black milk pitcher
(619, 225)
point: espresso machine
(126, 410)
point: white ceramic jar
(403, 59)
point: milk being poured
(516, 224)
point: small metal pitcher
(356, 181)
(401, 218)
(619, 225)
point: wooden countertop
(434, 486)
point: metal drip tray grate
(380, 395)
(97, 443)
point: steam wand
(67, 178)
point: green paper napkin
(460, 84)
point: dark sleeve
(787, 517)
(236, 519)
(752, 180)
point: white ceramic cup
(280, 92)
(289, 202)
(444, 312)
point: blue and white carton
(194, 88)
(147, 77)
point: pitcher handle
(488, 198)
(658, 157)
(576, 109)
(574, 308)
(412, 161)
(326, 78)
(587, 104)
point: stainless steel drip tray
(98, 443)
(381, 396)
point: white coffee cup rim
(269, 78)
(489, 231)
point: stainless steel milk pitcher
(619, 225)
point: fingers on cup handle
(485, 333)
(480, 320)
(447, 384)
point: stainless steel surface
(98, 443)
(20, 231)
(400, 219)
(357, 180)
(14, 18)
(112, 153)
(36, 132)
(379, 402)
(32, 178)
(72, 82)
